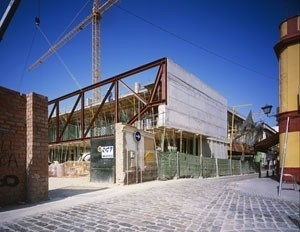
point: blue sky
(227, 44)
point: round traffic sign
(137, 136)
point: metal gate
(102, 160)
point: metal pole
(180, 143)
(231, 140)
(217, 167)
(200, 155)
(177, 156)
(141, 163)
(136, 169)
(284, 154)
(127, 161)
(231, 135)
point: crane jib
(71, 34)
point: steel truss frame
(159, 88)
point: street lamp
(267, 109)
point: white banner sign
(107, 152)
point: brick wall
(23, 147)
(12, 147)
(37, 147)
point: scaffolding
(148, 98)
(74, 119)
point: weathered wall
(37, 147)
(23, 147)
(134, 160)
(12, 147)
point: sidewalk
(267, 187)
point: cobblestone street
(216, 204)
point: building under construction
(160, 97)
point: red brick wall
(23, 147)
(12, 147)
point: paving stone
(178, 205)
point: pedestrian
(257, 163)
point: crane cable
(30, 49)
(61, 60)
(37, 24)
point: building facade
(195, 110)
(288, 54)
(184, 113)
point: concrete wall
(194, 107)
(134, 159)
(23, 147)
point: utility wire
(195, 44)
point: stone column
(37, 147)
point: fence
(179, 165)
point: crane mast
(95, 18)
(96, 49)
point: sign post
(137, 136)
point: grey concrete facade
(194, 107)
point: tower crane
(95, 18)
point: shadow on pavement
(55, 195)
(61, 193)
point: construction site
(156, 121)
(183, 113)
(171, 110)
